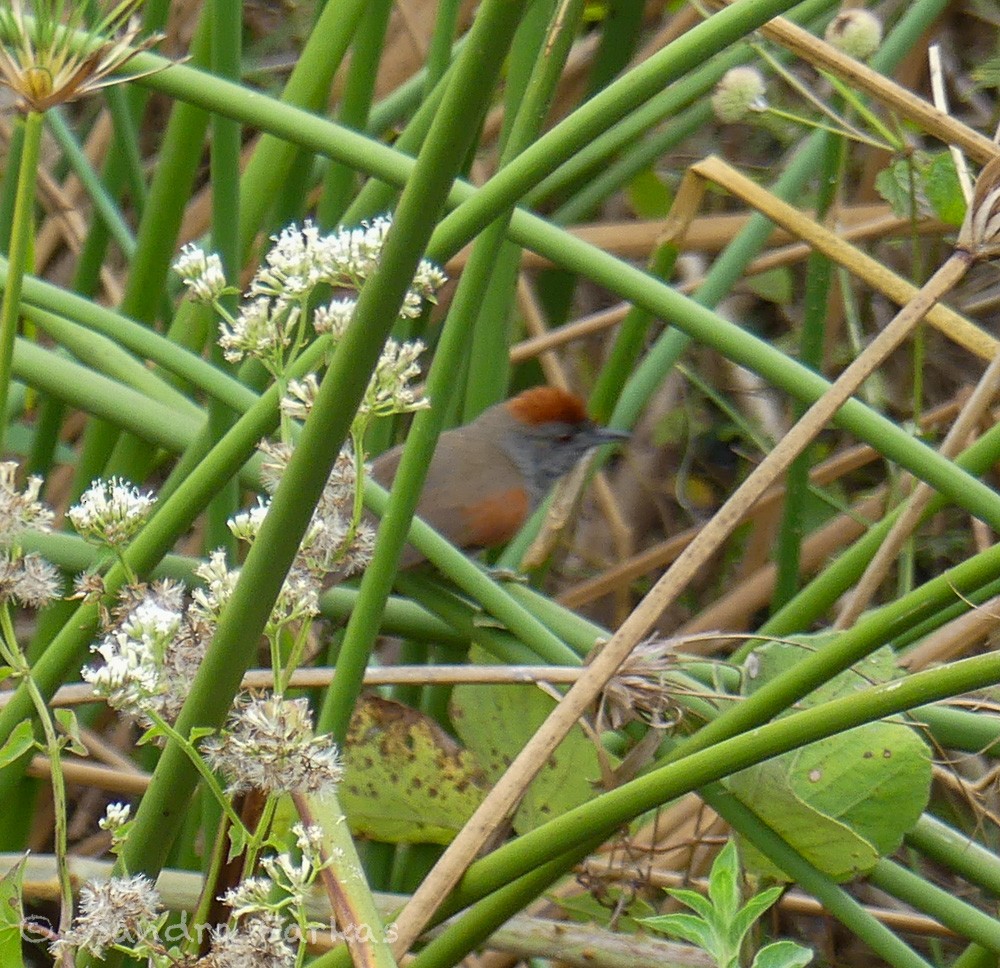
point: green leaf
(845, 801)
(67, 721)
(687, 927)
(894, 185)
(775, 286)
(692, 899)
(495, 722)
(619, 910)
(724, 884)
(237, 841)
(782, 954)
(12, 916)
(751, 911)
(21, 739)
(943, 189)
(648, 196)
(405, 780)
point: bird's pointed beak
(607, 435)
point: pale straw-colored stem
(880, 564)
(505, 795)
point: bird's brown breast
(496, 518)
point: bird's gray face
(546, 452)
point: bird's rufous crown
(541, 405)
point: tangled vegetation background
(728, 698)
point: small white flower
(115, 816)
(390, 389)
(299, 397)
(296, 263)
(250, 896)
(111, 511)
(740, 91)
(208, 602)
(309, 839)
(334, 317)
(201, 272)
(246, 525)
(263, 329)
(130, 674)
(20, 511)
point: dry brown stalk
(978, 237)
(832, 245)
(864, 79)
(916, 504)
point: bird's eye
(564, 438)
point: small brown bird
(487, 477)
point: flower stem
(20, 247)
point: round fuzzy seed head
(855, 32)
(740, 91)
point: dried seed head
(980, 232)
(855, 32)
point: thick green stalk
(119, 404)
(529, 95)
(836, 578)
(477, 67)
(592, 119)
(22, 232)
(339, 180)
(340, 392)
(307, 87)
(104, 204)
(819, 272)
(224, 169)
(158, 228)
(605, 813)
(440, 52)
(918, 892)
(104, 355)
(957, 851)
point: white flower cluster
(269, 745)
(111, 512)
(391, 389)
(25, 578)
(300, 259)
(151, 653)
(122, 910)
(298, 599)
(202, 273)
(264, 329)
(333, 542)
(293, 879)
